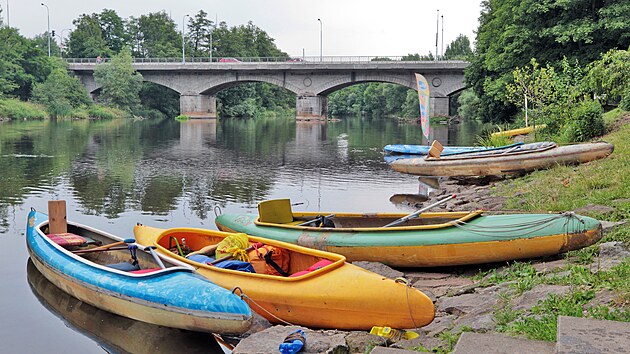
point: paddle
(205, 250)
(155, 256)
(106, 247)
(315, 220)
(230, 256)
(417, 213)
(117, 248)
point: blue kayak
(448, 150)
(121, 277)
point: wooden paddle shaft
(205, 250)
(57, 222)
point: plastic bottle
(293, 343)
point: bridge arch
(213, 87)
(339, 83)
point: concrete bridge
(311, 80)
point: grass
(601, 182)
(16, 109)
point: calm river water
(116, 173)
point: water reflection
(115, 334)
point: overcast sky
(349, 27)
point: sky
(348, 27)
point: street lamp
(8, 20)
(320, 39)
(183, 32)
(48, 33)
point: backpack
(270, 260)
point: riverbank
(12, 109)
(522, 298)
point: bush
(625, 101)
(100, 112)
(16, 109)
(586, 122)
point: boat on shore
(433, 239)
(404, 149)
(114, 333)
(519, 131)
(517, 159)
(318, 290)
(115, 275)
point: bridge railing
(236, 60)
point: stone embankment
(470, 302)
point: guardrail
(236, 60)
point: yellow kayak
(519, 131)
(337, 295)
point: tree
(199, 34)
(120, 82)
(113, 27)
(610, 76)
(511, 32)
(60, 92)
(155, 36)
(459, 49)
(88, 39)
(22, 64)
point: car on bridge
(295, 60)
(229, 60)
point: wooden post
(436, 149)
(57, 217)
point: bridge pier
(311, 107)
(440, 106)
(198, 106)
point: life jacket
(270, 260)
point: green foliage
(609, 77)
(586, 122)
(374, 99)
(510, 32)
(160, 98)
(468, 104)
(154, 36)
(100, 112)
(490, 140)
(15, 109)
(182, 118)
(60, 93)
(120, 82)
(88, 39)
(22, 64)
(459, 49)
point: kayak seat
(320, 264)
(67, 239)
(124, 266)
(275, 211)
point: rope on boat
(521, 229)
(217, 210)
(248, 299)
(408, 285)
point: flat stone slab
(491, 343)
(268, 341)
(590, 336)
(384, 350)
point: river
(116, 173)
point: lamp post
(48, 32)
(183, 32)
(320, 40)
(8, 20)
(437, 31)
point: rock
(384, 350)
(438, 325)
(609, 225)
(423, 340)
(380, 268)
(587, 335)
(430, 295)
(422, 275)
(547, 267)
(540, 292)
(594, 208)
(358, 341)
(492, 343)
(603, 297)
(467, 304)
(259, 324)
(616, 250)
(435, 283)
(478, 323)
(269, 340)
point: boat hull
(431, 247)
(341, 296)
(174, 297)
(467, 165)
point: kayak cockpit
(278, 213)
